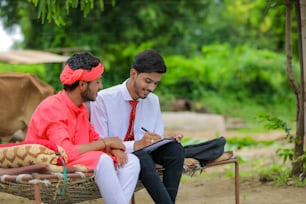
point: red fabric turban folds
(69, 76)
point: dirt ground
(214, 186)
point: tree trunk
(297, 165)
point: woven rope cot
(49, 187)
(76, 187)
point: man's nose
(151, 87)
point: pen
(144, 129)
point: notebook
(156, 145)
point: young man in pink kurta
(64, 119)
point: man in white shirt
(110, 115)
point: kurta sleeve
(54, 126)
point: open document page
(156, 145)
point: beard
(140, 92)
(88, 95)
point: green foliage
(287, 154)
(57, 10)
(279, 174)
(246, 142)
(54, 71)
(233, 142)
(241, 72)
(37, 69)
(49, 73)
(103, 23)
(274, 123)
(117, 66)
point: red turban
(69, 76)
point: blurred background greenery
(226, 57)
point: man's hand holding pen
(150, 137)
(147, 139)
(178, 137)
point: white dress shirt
(110, 114)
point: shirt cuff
(129, 146)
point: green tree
(175, 27)
(112, 28)
(298, 164)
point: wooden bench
(78, 187)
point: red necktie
(130, 132)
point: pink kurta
(59, 120)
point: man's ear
(133, 73)
(83, 85)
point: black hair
(80, 61)
(83, 61)
(149, 61)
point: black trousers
(171, 156)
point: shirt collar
(125, 93)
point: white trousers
(117, 185)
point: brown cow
(20, 94)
